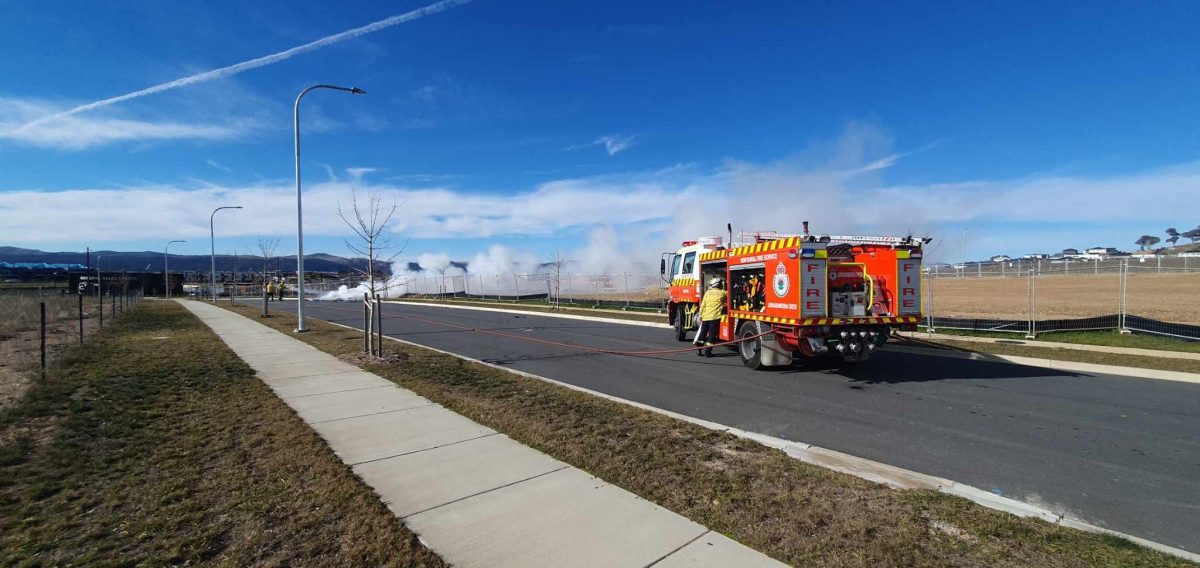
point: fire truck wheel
(750, 349)
(680, 327)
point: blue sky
(603, 130)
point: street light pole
(98, 257)
(299, 203)
(167, 267)
(212, 240)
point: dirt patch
(359, 359)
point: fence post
(626, 290)
(1124, 286)
(929, 302)
(81, 318)
(379, 326)
(113, 301)
(1159, 257)
(42, 319)
(100, 304)
(1032, 306)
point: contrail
(253, 63)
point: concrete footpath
(473, 495)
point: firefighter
(270, 289)
(712, 306)
(281, 288)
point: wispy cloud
(230, 70)
(218, 165)
(80, 132)
(612, 143)
(356, 174)
(891, 159)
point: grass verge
(1102, 338)
(796, 512)
(1096, 357)
(153, 444)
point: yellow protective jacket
(712, 305)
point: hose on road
(561, 344)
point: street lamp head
(357, 91)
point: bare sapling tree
(369, 221)
(555, 265)
(266, 250)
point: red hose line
(567, 345)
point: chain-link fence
(1139, 294)
(35, 323)
(1144, 294)
(1019, 268)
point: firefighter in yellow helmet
(712, 307)
(270, 289)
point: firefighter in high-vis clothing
(712, 307)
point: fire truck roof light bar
(850, 239)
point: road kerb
(1161, 353)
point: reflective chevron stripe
(828, 321)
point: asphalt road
(1118, 452)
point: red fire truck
(805, 294)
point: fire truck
(800, 295)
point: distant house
(1070, 252)
(1106, 251)
(1035, 256)
(1002, 258)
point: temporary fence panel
(1160, 302)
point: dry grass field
(1158, 296)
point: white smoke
(835, 186)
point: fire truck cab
(800, 295)
(681, 270)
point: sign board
(908, 280)
(813, 287)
